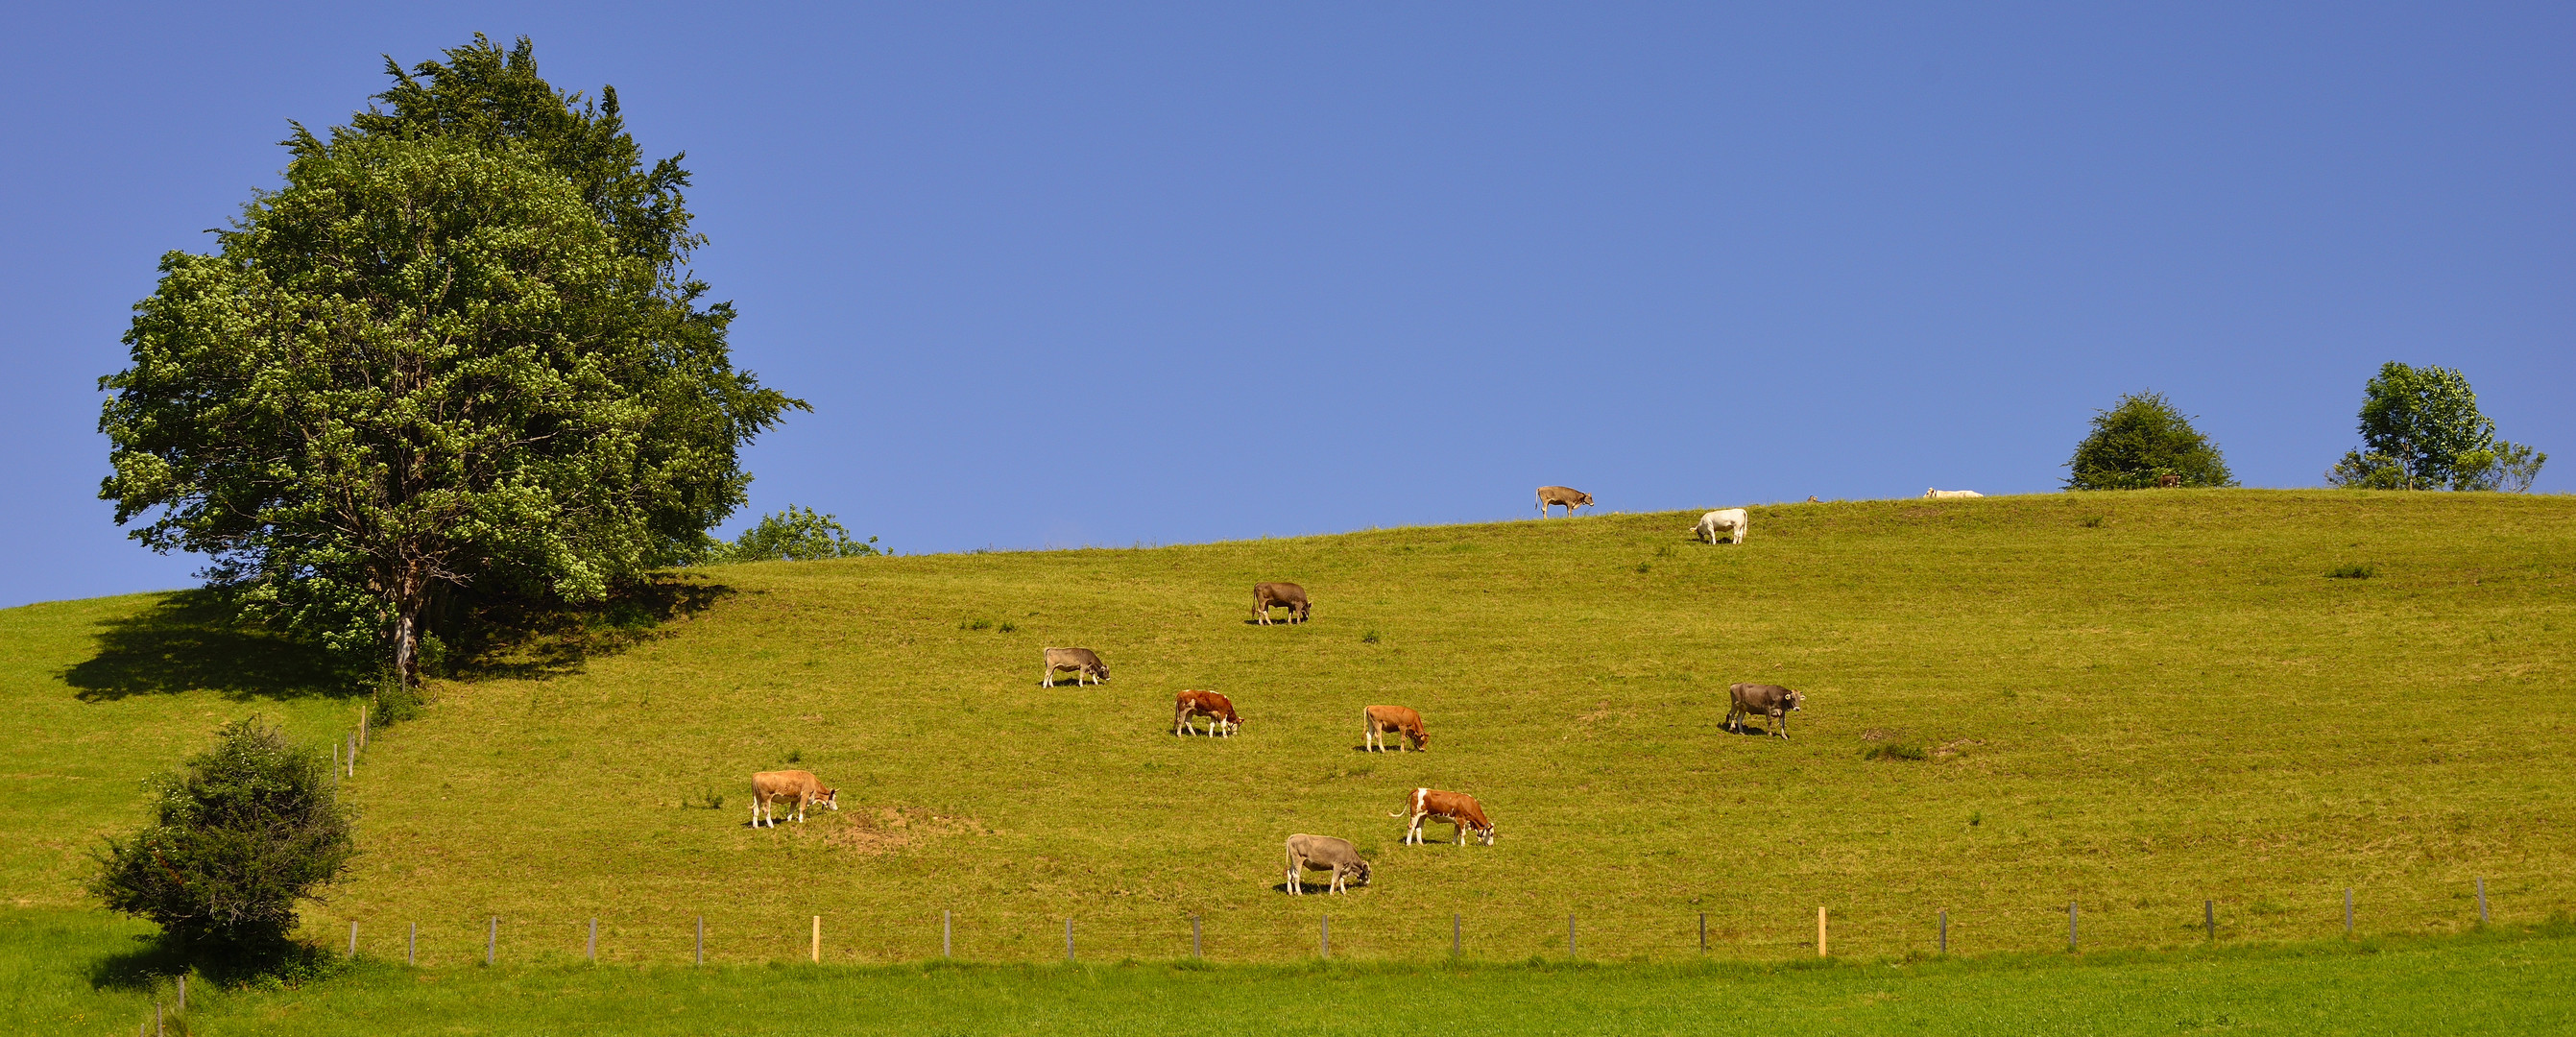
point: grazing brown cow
(768, 787)
(1324, 853)
(1770, 700)
(1549, 496)
(1378, 721)
(1188, 706)
(1458, 808)
(2168, 482)
(1811, 499)
(1082, 660)
(1282, 595)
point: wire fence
(1367, 932)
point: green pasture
(2130, 701)
(82, 975)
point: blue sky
(1091, 274)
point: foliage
(239, 835)
(454, 357)
(794, 535)
(2421, 430)
(2139, 440)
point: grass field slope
(2133, 702)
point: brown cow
(1083, 660)
(1324, 853)
(1770, 700)
(1282, 595)
(2168, 482)
(1549, 496)
(1381, 720)
(771, 786)
(1190, 705)
(1458, 808)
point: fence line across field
(1491, 935)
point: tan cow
(1188, 706)
(2168, 481)
(1282, 595)
(1324, 853)
(1549, 496)
(1932, 494)
(1378, 721)
(1082, 660)
(1458, 808)
(769, 787)
(1770, 700)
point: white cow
(1732, 522)
(1932, 494)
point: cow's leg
(1295, 884)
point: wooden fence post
(412, 956)
(1945, 931)
(1194, 937)
(1569, 937)
(816, 955)
(1820, 930)
(183, 993)
(492, 942)
(1455, 924)
(591, 950)
(1326, 947)
(1703, 931)
(945, 923)
(2347, 912)
(2482, 901)
(353, 939)
(702, 939)
(2070, 927)
(2209, 917)
(1068, 939)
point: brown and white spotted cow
(1188, 706)
(1457, 808)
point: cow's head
(830, 798)
(1361, 871)
(1484, 832)
(1796, 700)
(1101, 671)
(1419, 736)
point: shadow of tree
(536, 645)
(192, 641)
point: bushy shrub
(794, 535)
(239, 835)
(2138, 441)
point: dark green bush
(239, 835)
(2140, 440)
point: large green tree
(2421, 430)
(2141, 439)
(436, 360)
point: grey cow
(1324, 853)
(1770, 700)
(1085, 662)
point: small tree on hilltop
(2421, 430)
(2138, 441)
(239, 834)
(794, 535)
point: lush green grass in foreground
(2135, 701)
(2511, 981)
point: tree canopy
(2421, 430)
(2138, 441)
(238, 835)
(794, 535)
(454, 353)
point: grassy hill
(2132, 701)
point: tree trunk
(409, 598)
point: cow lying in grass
(1731, 523)
(1324, 853)
(1379, 721)
(1457, 808)
(1188, 706)
(769, 787)
(1770, 700)
(1930, 494)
